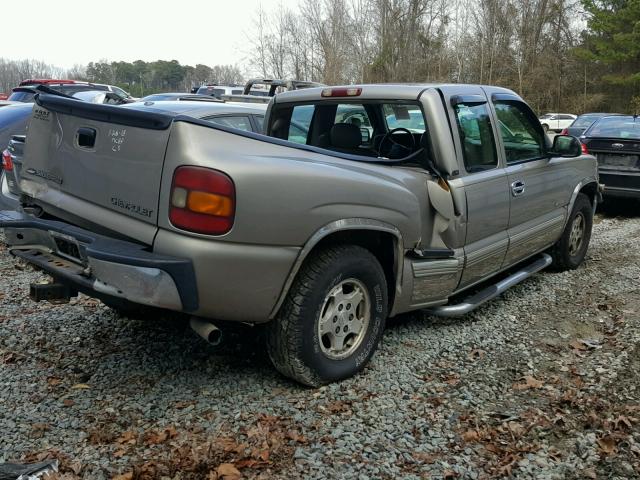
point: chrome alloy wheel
(577, 234)
(344, 319)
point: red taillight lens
(565, 132)
(202, 200)
(7, 163)
(585, 150)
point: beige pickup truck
(357, 203)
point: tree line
(138, 78)
(560, 55)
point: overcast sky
(212, 32)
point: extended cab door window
(476, 135)
(521, 137)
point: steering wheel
(388, 137)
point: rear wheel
(545, 127)
(570, 250)
(332, 319)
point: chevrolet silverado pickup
(358, 203)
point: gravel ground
(540, 383)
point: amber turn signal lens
(209, 204)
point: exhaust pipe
(206, 330)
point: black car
(26, 94)
(583, 122)
(615, 142)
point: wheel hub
(577, 234)
(344, 319)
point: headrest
(345, 135)
(278, 128)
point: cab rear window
(384, 129)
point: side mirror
(566, 146)
(366, 134)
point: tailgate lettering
(131, 207)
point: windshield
(404, 116)
(616, 127)
(26, 97)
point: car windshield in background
(160, 97)
(25, 97)
(616, 127)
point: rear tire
(332, 319)
(569, 251)
(545, 128)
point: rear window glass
(616, 127)
(383, 129)
(300, 122)
(584, 121)
(259, 119)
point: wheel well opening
(590, 190)
(381, 244)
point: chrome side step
(492, 291)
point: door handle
(517, 188)
(86, 137)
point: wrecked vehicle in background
(320, 230)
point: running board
(492, 291)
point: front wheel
(332, 319)
(570, 250)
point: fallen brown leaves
(503, 444)
(267, 444)
(156, 437)
(528, 382)
(608, 445)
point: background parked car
(615, 142)
(247, 117)
(160, 97)
(27, 93)
(556, 121)
(583, 122)
(219, 90)
(97, 96)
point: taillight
(202, 200)
(7, 163)
(565, 132)
(585, 150)
(342, 92)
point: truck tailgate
(96, 162)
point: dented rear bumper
(101, 266)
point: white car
(556, 121)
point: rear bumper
(619, 183)
(101, 266)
